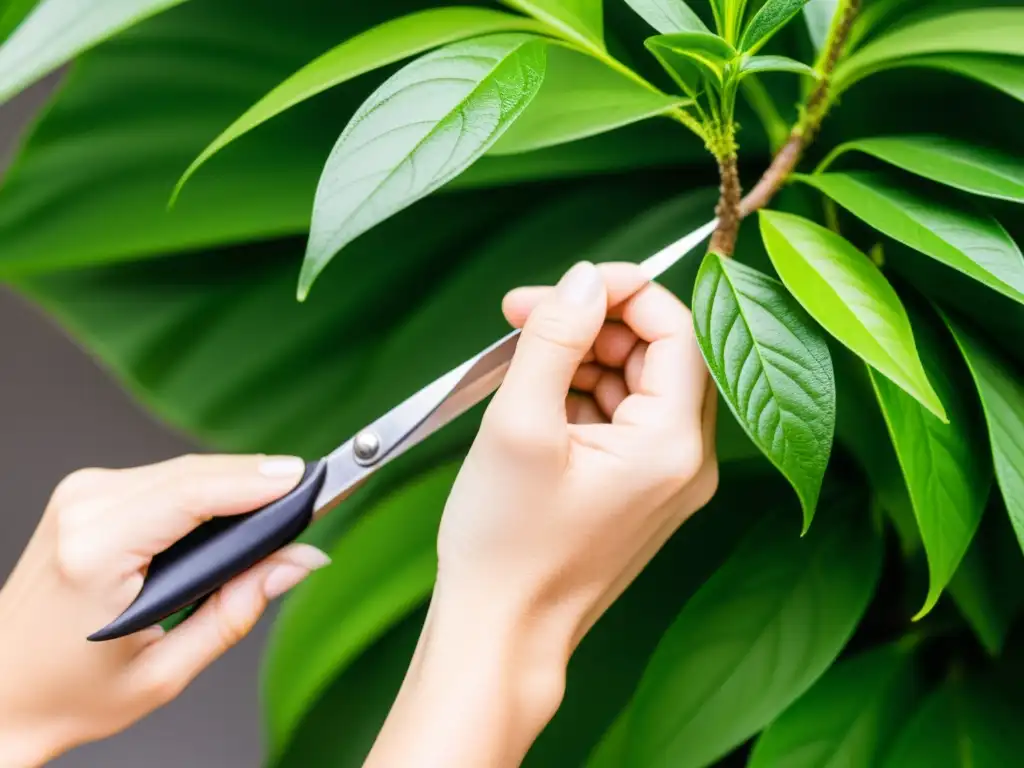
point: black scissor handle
(214, 553)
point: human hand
(86, 563)
(561, 502)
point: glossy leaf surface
(579, 20)
(755, 637)
(768, 20)
(948, 228)
(848, 718)
(668, 16)
(417, 131)
(773, 367)
(757, 64)
(849, 297)
(692, 57)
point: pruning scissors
(214, 553)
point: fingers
(172, 662)
(621, 279)
(114, 529)
(555, 339)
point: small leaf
(58, 30)
(581, 96)
(849, 297)
(946, 475)
(980, 30)
(728, 18)
(968, 167)
(578, 20)
(773, 367)
(757, 64)
(1002, 400)
(668, 16)
(421, 128)
(692, 58)
(986, 585)
(848, 718)
(951, 230)
(818, 15)
(377, 47)
(339, 612)
(755, 637)
(973, 723)
(1004, 73)
(768, 20)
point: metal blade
(448, 397)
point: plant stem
(723, 241)
(812, 114)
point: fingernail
(580, 285)
(282, 466)
(282, 578)
(307, 556)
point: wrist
(24, 748)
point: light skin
(595, 449)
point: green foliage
(864, 337)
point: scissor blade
(445, 399)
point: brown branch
(803, 133)
(723, 241)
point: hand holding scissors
(636, 434)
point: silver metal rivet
(366, 445)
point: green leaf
(379, 46)
(58, 30)
(968, 167)
(757, 64)
(92, 181)
(12, 13)
(848, 718)
(946, 474)
(580, 97)
(1003, 73)
(668, 16)
(768, 20)
(979, 30)
(986, 585)
(581, 21)
(388, 562)
(755, 637)
(421, 128)
(950, 229)
(692, 57)
(729, 18)
(773, 367)
(973, 723)
(818, 15)
(849, 297)
(1002, 400)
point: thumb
(556, 336)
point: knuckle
(554, 328)
(680, 458)
(76, 485)
(233, 625)
(161, 685)
(78, 555)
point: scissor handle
(214, 553)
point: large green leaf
(948, 477)
(843, 291)
(773, 367)
(948, 228)
(1004, 73)
(377, 47)
(420, 129)
(12, 13)
(755, 637)
(581, 96)
(1002, 399)
(668, 16)
(986, 585)
(848, 718)
(58, 30)
(768, 20)
(579, 20)
(980, 30)
(969, 167)
(386, 567)
(972, 723)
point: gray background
(59, 412)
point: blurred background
(59, 412)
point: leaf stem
(812, 114)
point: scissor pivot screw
(366, 446)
